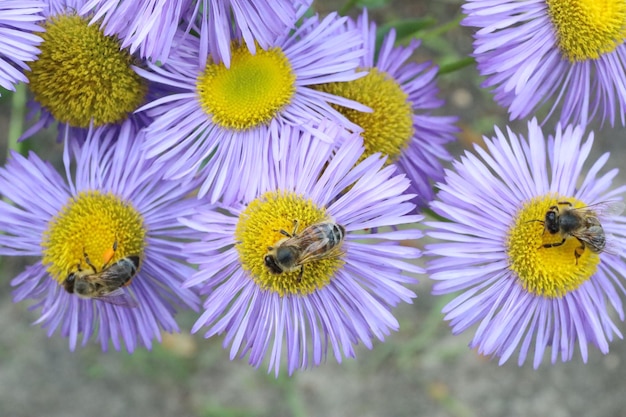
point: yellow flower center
(545, 266)
(389, 128)
(90, 224)
(251, 92)
(586, 29)
(82, 74)
(259, 229)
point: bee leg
(295, 227)
(579, 250)
(299, 279)
(285, 233)
(88, 262)
(552, 245)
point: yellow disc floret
(251, 92)
(548, 264)
(90, 224)
(389, 128)
(259, 229)
(82, 74)
(587, 29)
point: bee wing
(612, 247)
(595, 240)
(119, 297)
(317, 251)
(593, 236)
(604, 208)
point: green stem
(435, 32)
(16, 123)
(291, 395)
(428, 331)
(440, 30)
(456, 65)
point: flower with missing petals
(530, 246)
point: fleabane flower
(109, 244)
(234, 115)
(530, 246)
(19, 40)
(82, 77)
(401, 95)
(310, 263)
(567, 54)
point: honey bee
(581, 223)
(318, 241)
(107, 284)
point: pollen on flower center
(83, 74)
(90, 224)
(259, 229)
(389, 128)
(545, 270)
(251, 92)
(586, 29)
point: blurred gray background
(422, 370)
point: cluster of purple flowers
(262, 166)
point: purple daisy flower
(339, 283)
(110, 247)
(145, 26)
(18, 43)
(535, 52)
(82, 77)
(402, 95)
(530, 244)
(234, 115)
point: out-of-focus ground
(422, 370)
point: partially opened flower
(233, 115)
(82, 76)
(299, 268)
(530, 243)
(111, 265)
(18, 43)
(568, 54)
(401, 95)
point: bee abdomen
(337, 234)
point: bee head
(68, 284)
(272, 265)
(552, 220)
